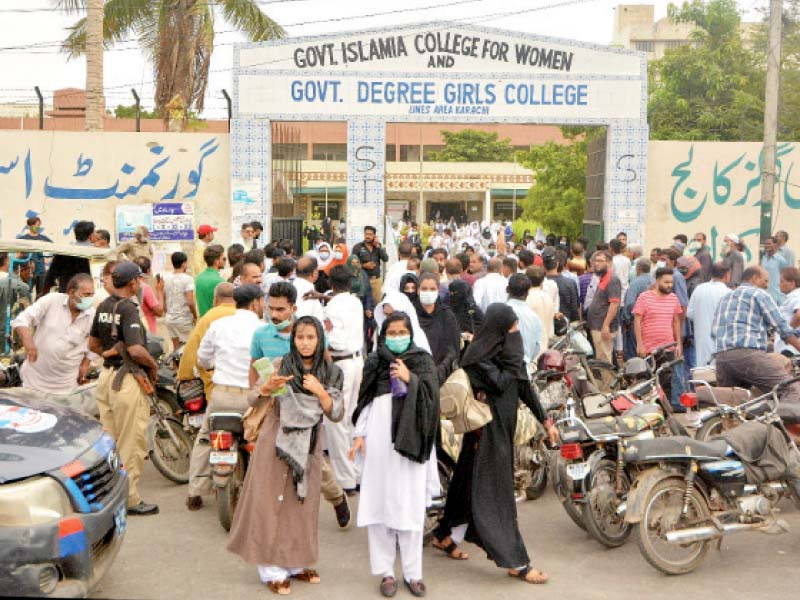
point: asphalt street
(181, 554)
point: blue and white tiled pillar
(251, 174)
(366, 169)
(626, 179)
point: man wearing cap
(205, 235)
(117, 334)
(226, 349)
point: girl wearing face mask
(339, 256)
(275, 524)
(481, 506)
(440, 326)
(396, 420)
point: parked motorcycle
(229, 458)
(593, 479)
(691, 492)
(191, 397)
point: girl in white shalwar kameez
(395, 430)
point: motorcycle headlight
(32, 502)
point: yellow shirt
(189, 357)
(198, 263)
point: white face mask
(337, 256)
(324, 255)
(428, 298)
(660, 264)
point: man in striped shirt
(657, 322)
(741, 335)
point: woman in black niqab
(481, 493)
(462, 302)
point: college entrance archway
(435, 72)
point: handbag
(458, 404)
(527, 425)
(253, 419)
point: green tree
(558, 198)
(470, 145)
(176, 35)
(711, 89)
(129, 112)
(789, 106)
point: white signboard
(437, 47)
(449, 99)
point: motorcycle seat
(732, 396)
(675, 447)
(639, 418)
(226, 422)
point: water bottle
(398, 386)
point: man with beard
(601, 315)
(226, 349)
(657, 322)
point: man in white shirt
(226, 349)
(58, 358)
(284, 271)
(344, 322)
(307, 274)
(179, 300)
(701, 310)
(492, 287)
(395, 273)
(541, 303)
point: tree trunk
(95, 102)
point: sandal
(308, 575)
(282, 588)
(529, 575)
(388, 587)
(451, 550)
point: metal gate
(289, 228)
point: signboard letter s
(372, 163)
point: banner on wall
(166, 221)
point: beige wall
(715, 187)
(95, 192)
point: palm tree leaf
(247, 16)
(120, 17)
(71, 6)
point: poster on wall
(131, 216)
(246, 196)
(172, 222)
(166, 221)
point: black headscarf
(326, 372)
(410, 278)
(493, 341)
(462, 302)
(415, 418)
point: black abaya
(481, 493)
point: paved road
(179, 554)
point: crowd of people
(360, 349)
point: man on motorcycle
(225, 348)
(741, 333)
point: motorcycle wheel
(599, 510)
(662, 514)
(434, 513)
(710, 429)
(538, 482)
(559, 487)
(228, 495)
(168, 401)
(171, 459)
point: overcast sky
(27, 22)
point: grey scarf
(297, 435)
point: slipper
(282, 588)
(537, 577)
(450, 549)
(308, 575)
